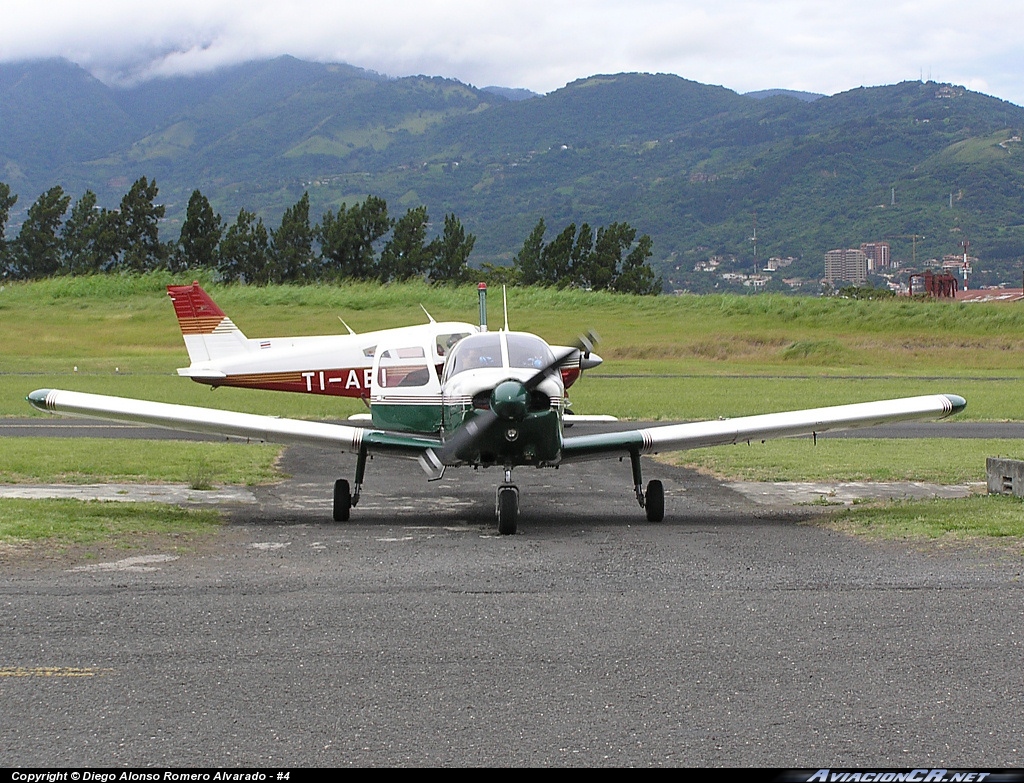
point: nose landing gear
(506, 505)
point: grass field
(667, 358)
(66, 522)
(91, 460)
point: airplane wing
(701, 434)
(673, 437)
(208, 421)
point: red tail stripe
(192, 302)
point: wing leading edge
(701, 434)
(208, 421)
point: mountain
(687, 163)
(798, 94)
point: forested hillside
(688, 164)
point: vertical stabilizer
(209, 334)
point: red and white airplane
(339, 365)
(498, 400)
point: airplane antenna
(504, 304)
(346, 325)
(428, 314)
(482, 291)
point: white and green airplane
(498, 401)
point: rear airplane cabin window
(396, 370)
(404, 375)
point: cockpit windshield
(473, 352)
(523, 351)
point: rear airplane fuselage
(337, 365)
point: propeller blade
(585, 342)
(465, 436)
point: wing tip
(956, 402)
(37, 399)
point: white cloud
(744, 45)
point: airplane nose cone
(590, 361)
(509, 400)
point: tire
(342, 500)
(654, 501)
(507, 507)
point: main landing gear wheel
(507, 509)
(654, 501)
(342, 500)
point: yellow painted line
(52, 671)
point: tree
(347, 240)
(556, 259)
(635, 276)
(292, 244)
(612, 242)
(36, 252)
(527, 260)
(245, 251)
(6, 202)
(581, 258)
(200, 236)
(576, 258)
(140, 218)
(91, 238)
(451, 262)
(406, 255)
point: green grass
(90, 522)
(125, 316)
(970, 518)
(699, 357)
(938, 460)
(97, 460)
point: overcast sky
(745, 45)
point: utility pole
(754, 240)
(966, 244)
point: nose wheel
(506, 506)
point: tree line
(361, 242)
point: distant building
(775, 263)
(878, 255)
(846, 264)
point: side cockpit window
(445, 342)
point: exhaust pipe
(482, 291)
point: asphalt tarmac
(731, 634)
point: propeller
(509, 403)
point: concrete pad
(132, 493)
(798, 493)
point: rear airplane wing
(701, 434)
(208, 421)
